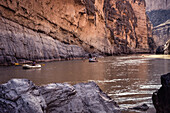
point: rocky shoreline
(22, 95)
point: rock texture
(22, 96)
(161, 33)
(32, 29)
(157, 5)
(20, 44)
(167, 47)
(158, 17)
(161, 98)
(158, 12)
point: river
(129, 80)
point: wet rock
(21, 95)
(143, 107)
(160, 98)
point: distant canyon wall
(158, 12)
(157, 5)
(43, 30)
(161, 33)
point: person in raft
(90, 56)
(33, 63)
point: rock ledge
(21, 95)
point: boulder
(161, 98)
(160, 50)
(21, 95)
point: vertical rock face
(161, 99)
(22, 96)
(157, 5)
(128, 24)
(19, 44)
(159, 14)
(158, 17)
(161, 33)
(67, 28)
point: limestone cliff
(161, 33)
(158, 12)
(157, 5)
(47, 29)
(158, 17)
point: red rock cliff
(46, 29)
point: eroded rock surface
(21, 95)
(167, 47)
(158, 12)
(31, 29)
(161, 33)
(157, 5)
(161, 98)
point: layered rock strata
(167, 47)
(161, 33)
(32, 29)
(20, 44)
(157, 5)
(158, 17)
(158, 12)
(161, 98)
(22, 96)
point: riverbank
(8, 61)
(21, 95)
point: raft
(26, 66)
(92, 60)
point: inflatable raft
(26, 66)
(92, 60)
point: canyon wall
(161, 33)
(157, 5)
(158, 12)
(66, 29)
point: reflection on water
(129, 80)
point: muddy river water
(129, 80)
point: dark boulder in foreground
(22, 96)
(161, 98)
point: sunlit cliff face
(97, 26)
